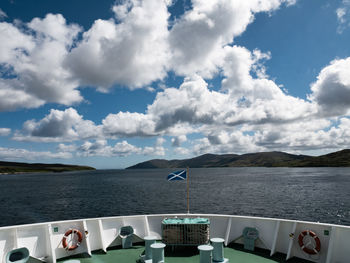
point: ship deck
(101, 241)
(234, 253)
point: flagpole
(188, 192)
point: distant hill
(14, 167)
(263, 159)
(336, 159)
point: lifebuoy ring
(74, 245)
(311, 251)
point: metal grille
(185, 234)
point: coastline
(48, 171)
(20, 168)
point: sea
(310, 194)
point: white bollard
(158, 252)
(205, 253)
(149, 240)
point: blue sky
(113, 83)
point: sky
(113, 83)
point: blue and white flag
(178, 175)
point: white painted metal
(228, 230)
(330, 245)
(277, 228)
(16, 238)
(94, 235)
(266, 229)
(341, 245)
(52, 254)
(291, 241)
(44, 239)
(282, 243)
(87, 237)
(100, 229)
(155, 225)
(147, 226)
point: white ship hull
(44, 240)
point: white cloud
(153, 151)
(291, 2)
(19, 154)
(55, 28)
(101, 148)
(343, 14)
(58, 126)
(160, 141)
(120, 149)
(66, 147)
(5, 131)
(34, 56)
(177, 141)
(191, 107)
(249, 113)
(47, 63)
(156, 150)
(226, 142)
(2, 14)
(13, 43)
(191, 103)
(331, 91)
(182, 151)
(244, 99)
(13, 47)
(128, 124)
(198, 38)
(133, 52)
(313, 134)
(179, 129)
(13, 96)
(124, 148)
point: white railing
(44, 240)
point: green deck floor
(178, 256)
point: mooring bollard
(205, 253)
(158, 252)
(218, 252)
(149, 240)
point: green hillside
(15, 167)
(263, 159)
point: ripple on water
(312, 194)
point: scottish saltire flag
(178, 175)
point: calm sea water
(313, 194)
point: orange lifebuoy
(311, 251)
(73, 246)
